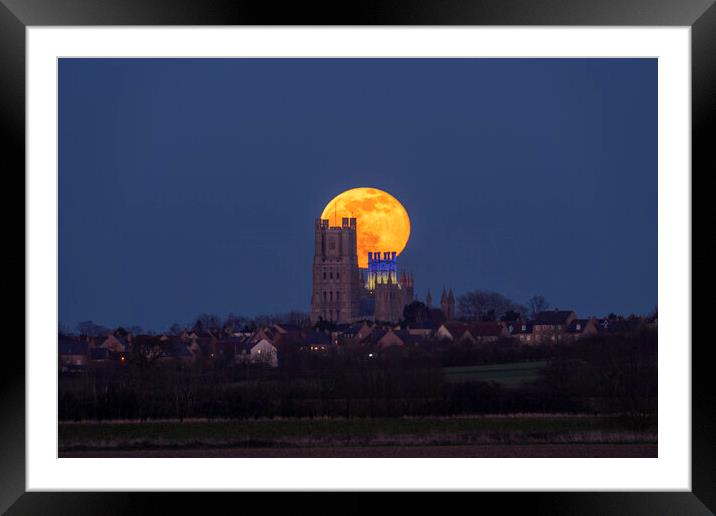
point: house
(261, 352)
(116, 344)
(550, 326)
(522, 331)
(72, 353)
(286, 328)
(423, 329)
(580, 328)
(175, 349)
(264, 352)
(264, 333)
(316, 342)
(365, 331)
(349, 333)
(488, 331)
(148, 345)
(618, 325)
(387, 338)
(453, 331)
(98, 355)
(226, 346)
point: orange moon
(383, 224)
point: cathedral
(336, 277)
(341, 292)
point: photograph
(357, 257)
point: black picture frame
(16, 15)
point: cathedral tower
(336, 278)
(447, 304)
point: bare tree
(176, 329)
(91, 329)
(485, 305)
(537, 304)
(207, 322)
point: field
(448, 451)
(343, 437)
(507, 375)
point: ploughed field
(522, 435)
(447, 451)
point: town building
(551, 325)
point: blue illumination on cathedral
(382, 270)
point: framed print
(415, 249)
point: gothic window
(332, 243)
(331, 275)
(330, 296)
(338, 296)
(324, 295)
(338, 275)
(324, 275)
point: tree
(91, 329)
(436, 316)
(415, 313)
(176, 329)
(234, 323)
(207, 322)
(297, 318)
(511, 316)
(536, 305)
(322, 325)
(485, 305)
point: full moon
(383, 223)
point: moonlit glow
(383, 223)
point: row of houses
(266, 344)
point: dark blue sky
(191, 185)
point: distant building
(391, 292)
(339, 295)
(73, 354)
(580, 328)
(336, 278)
(447, 304)
(488, 331)
(263, 352)
(116, 343)
(522, 331)
(551, 325)
(454, 331)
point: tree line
(601, 375)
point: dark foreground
(470, 451)
(520, 435)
